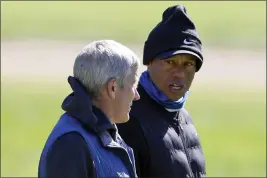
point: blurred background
(40, 40)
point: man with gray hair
(85, 143)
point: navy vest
(111, 158)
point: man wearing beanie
(160, 130)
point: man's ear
(112, 86)
(149, 65)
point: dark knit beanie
(175, 34)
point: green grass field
(239, 24)
(231, 125)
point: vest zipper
(127, 157)
(180, 128)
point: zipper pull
(179, 120)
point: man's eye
(189, 64)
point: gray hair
(101, 61)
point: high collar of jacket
(78, 104)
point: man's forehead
(132, 75)
(182, 57)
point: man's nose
(136, 95)
(179, 72)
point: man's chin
(174, 97)
(123, 119)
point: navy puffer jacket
(166, 144)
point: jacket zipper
(180, 128)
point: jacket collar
(78, 105)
